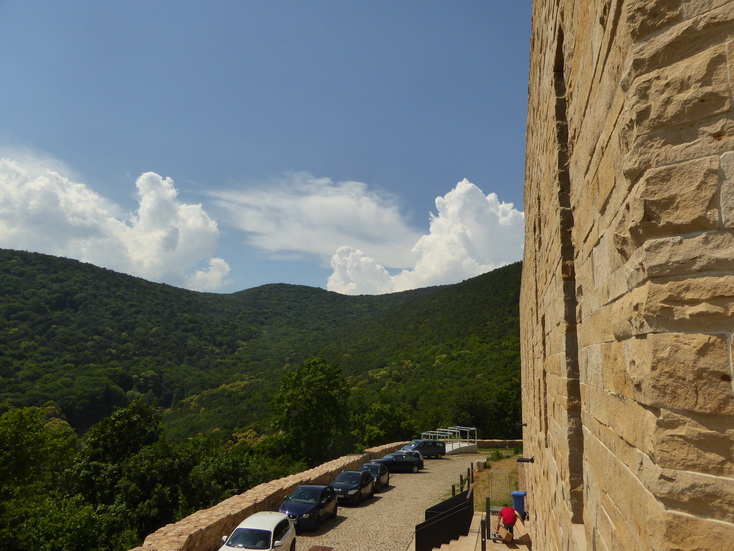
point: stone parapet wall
(627, 300)
(203, 530)
(498, 443)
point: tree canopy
(90, 340)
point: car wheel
(333, 515)
(372, 493)
(378, 486)
(293, 545)
(415, 468)
(439, 456)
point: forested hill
(90, 339)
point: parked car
(353, 486)
(308, 505)
(380, 473)
(400, 462)
(429, 448)
(414, 453)
(266, 530)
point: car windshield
(250, 538)
(305, 495)
(348, 478)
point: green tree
(108, 444)
(35, 444)
(381, 423)
(311, 411)
(36, 509)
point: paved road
(387, 522)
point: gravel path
(387, 522)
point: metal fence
(501, 486)
(445, 522)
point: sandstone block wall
(203, 530)
(627, 304)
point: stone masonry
(627, 304)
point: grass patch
(498, 480)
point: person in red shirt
(508, 516)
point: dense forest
(128, 404)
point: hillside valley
(90, 339)
(126, 405)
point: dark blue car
(379, 472)
(400, 462)
(353, 486)
(308, 505)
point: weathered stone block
(727, 189)
(693, 8)
(682, 371)
(667, 146)
(681, 532)
(680, 256)
(698, 304)
(698, 443)
(676, 199)
(644, 17)
(689, 492)
(696, 88)
(680, 42)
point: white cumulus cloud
(304, 215)
(471, 234)
(164, 240)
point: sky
(363, 147)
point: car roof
(312, 486)
(264, 520)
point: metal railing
(445, 521)
(452, 435)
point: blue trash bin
(518, 502)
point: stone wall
(203, 530)
(627, 303)
(498, 443)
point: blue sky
(363, 147)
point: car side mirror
(224, 538)
(278, 543)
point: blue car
(353, 486)
(400, 462)
(308, 505)
(379, 472)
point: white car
(266, 530)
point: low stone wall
(498, 443)
(203, 530)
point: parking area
(387, 521)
